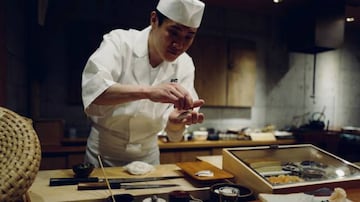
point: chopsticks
(106, 179)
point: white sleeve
(101, 71)
(188, 78)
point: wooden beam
(42, 9)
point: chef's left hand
(187, 117)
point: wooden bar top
(41, 191)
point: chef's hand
(179, 118)
(187, 117)
(171, 93)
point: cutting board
(191, 168)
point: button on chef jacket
(128, 132)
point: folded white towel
(138, 168)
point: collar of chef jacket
(141, 51)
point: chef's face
(171, 39)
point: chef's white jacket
(127, 132)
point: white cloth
(138, 168)
(127, 132)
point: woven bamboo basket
(20, 155)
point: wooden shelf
(220, 143)
(63, 155)
(72, 150)
(74, 141)
(56, 149)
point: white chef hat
(185, 12)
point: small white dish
(200, 135)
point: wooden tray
(191, 168)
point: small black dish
(83, 169)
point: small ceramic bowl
(200, 135)
(83, 169)
(230, 192)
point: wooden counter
(40, 191)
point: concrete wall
(284, 84)
(287, 92)
(293, 99)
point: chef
(139, 83)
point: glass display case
(289, 168)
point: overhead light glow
(277, 1)
(350, 19)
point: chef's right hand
(171, 93)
